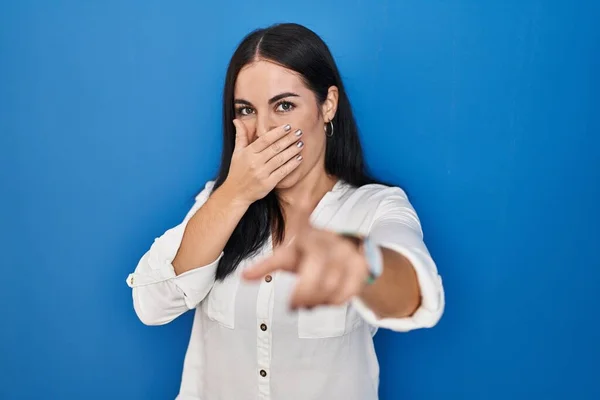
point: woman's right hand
(256, 168)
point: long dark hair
(299, 49)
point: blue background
(487, 113)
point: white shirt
(246, 344)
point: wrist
(374, 256)
(231, 196)
(371, 254)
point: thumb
(241, 135)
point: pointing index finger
(284, 259)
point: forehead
(261, 80)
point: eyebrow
(282, 96)
(271, 100)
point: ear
(329, 107)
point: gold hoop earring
(330, 133)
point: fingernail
(287, 128)
(299, 158)
(300, 144)
(298, 133)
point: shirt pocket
(327, 321)
(220, 302)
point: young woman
(293, 257)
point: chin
(290, 180)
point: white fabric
(325, 353)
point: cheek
(314, 137)
(314, 148)
(310, 123)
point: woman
(286, 308)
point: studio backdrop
(485, 112)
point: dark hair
(297, 48)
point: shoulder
(374, 194)
(383, 203)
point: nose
(264, 124)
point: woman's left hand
(330, 267)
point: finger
(338, 253)
(325, 287)
(290, 166)
(354, 281)
(331, 284)
(284, 259)
(270, 137)
(284, 156)
(275, 149)
(338, 296)
(241, 135)
(306, 292)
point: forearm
(208, 231)
(396, 293)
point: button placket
(264, 312)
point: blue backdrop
(487, 113)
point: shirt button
(263, 327)
(268, 278)
(263, 373)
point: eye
(244, 111)
(285, 106)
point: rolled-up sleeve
(396, 226)
(159, 295)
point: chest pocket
(327, 321)
(220, 303)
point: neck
(308, 191)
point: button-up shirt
(246, 343)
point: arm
(396, 293)
(175, 275)
(212, 226)
(332, 269)
(178, 271)
(255, 170)
(409, 293)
